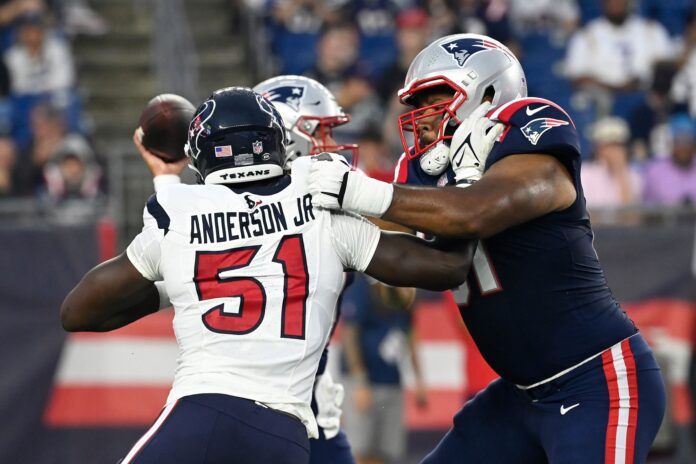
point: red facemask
(322, 138)
(445, 110)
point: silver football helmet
(473, 66)
(309, 113)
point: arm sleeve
(145, 249)
(354, 238)
(145, 253)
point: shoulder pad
(533, 116)
(523, 110)
(535, 125)
(156, 211)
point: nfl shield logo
(257, 147)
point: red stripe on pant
(610, 374)
(633, 391)
(620, 370)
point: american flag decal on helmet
(535, 128)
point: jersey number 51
(252, 306)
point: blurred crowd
(625, 70)
(44, 149)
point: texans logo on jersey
(290, 95)
(535, 128)
(462, 49)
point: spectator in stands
(338, 69)
(358, 98)
(487, 17)
(377, 343)
(616, 51)
(337, 55)
(376, 25)
(653, 111)
(48, 129)
(558, 17)
(672, 180)
(13, 9)
(442, 18)
(608, 179)
(72, 172)
(10, 11)
(411, 37)
(8, 159)
(673, 14)
(79, 18)
(39, 63)
(294, 29)
(684, 86)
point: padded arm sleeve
(354, 238)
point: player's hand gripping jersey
(536, 300)
(254, 279)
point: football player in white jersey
(253, 272)
(309, 113)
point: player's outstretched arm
(399, 259)
(404, 260)
(515, 190)
(111, 295)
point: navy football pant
(221, 429)
(605, 411)
(333, 451)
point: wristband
(365, 195)
(467, 175)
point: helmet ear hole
(488, 94)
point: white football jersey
(254, 280)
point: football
(164, 123)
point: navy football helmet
(236, 136)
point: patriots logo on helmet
(462, 49)
(291, 95)
(535, 128)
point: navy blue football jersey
(536, 300)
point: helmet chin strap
(435, 161)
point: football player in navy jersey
(578, 382)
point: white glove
(334, 185)
(471, 144)
(329, 397)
